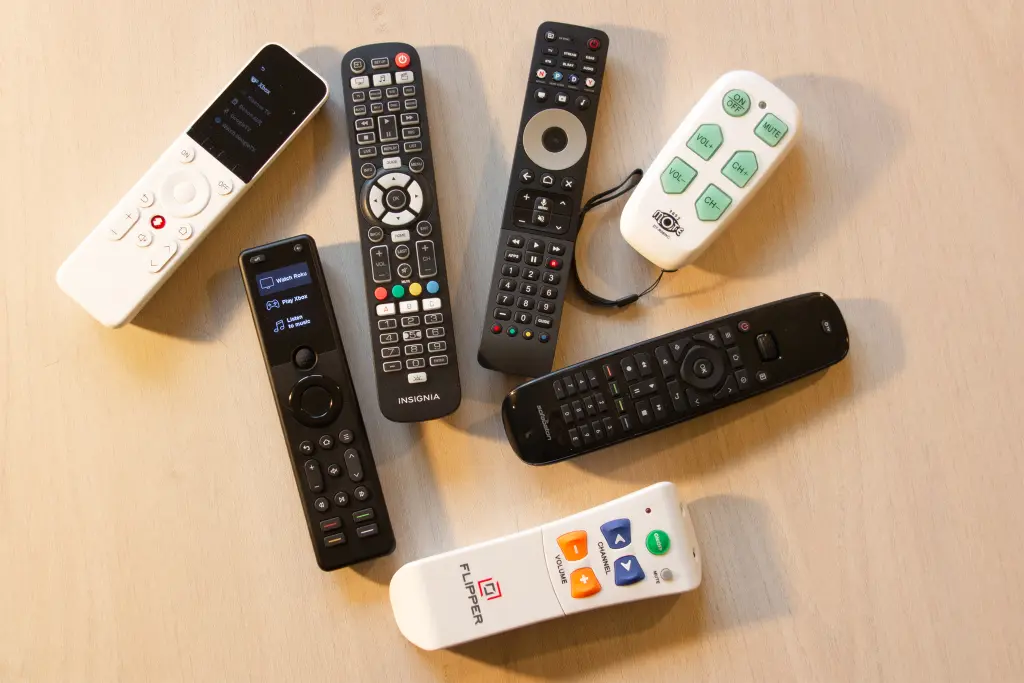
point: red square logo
(489, 588)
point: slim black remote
(330, 452)
(539, 225)
(673, 378)
(400, 231)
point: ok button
(185, 193)
(703, 368)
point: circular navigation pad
(315, 400)
(703, 367)
(554, 139)
(184, 193)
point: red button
(380, 294)
(157, 222)
(496, 328)
(593, 43)
(402, 60)
(744, 326)
(555, 264)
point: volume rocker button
(313, 476)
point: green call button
(712, 204)
(657, 542)
(736, 103)
(771, 129)
(740, 168)
(677, 177)
(706, 141)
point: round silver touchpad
(554, 139)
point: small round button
(304, 358)
(341, 499)
(186, 153)
(594, 44)
(540, 95)
(496, 328)
(590, 82)
(145, 199)
(143, 238)
(547, 180)
(402, 252)
(511, 331)
(657, 542)
(395, 199)
(375, 234)
(544, 337)
(158, 222)
(334, 470)
(402, 60)
(183, 231)
(321, 504)
(736, 103)
(361, 493)
(326, 442)
(184, 192)
(541, 73)
(557, 76)
(762, 376)
(527, 334)
(549, 36)
(307, 448)
(415, 289)
(433, 287)
(398, 291)
(367, 170)
(380, 294)
(316, 402)
(224, 186)
(424, 228)
(526, 176)
(357, 66)
(582, 103)
(703, 368)
(554, 140)
(666, 574)
(744, 326)
(346, 436)
(416, 165)
(404, 270)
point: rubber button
(415, 289)
(573, 545)
(305, 358)
(736, 103)
(316, 401)
(771, 129)
(740, 168)
(677, 177)
(380, 294)
(398, 291)
(496, 328)
(583, 583)
(712, 204)
(657, 542)
(433, 287)
(706, 141)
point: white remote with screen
(178, 201)
(720, 155)
(635, 547)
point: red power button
(402, 60)
(593, 43)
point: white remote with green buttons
(720, 155)
(635, 547)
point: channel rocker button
(618, 533)
(574, 546)
(628, 571)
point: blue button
(617, 532)
(544, 337)
(433, 287)
(628, 571)
(573, 79)
(557, 76)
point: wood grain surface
(861, 525)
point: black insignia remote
(539, 225)
(330, 452)
(673, 378)
(400, 231)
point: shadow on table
(206, 291)
(743, 583)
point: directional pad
(617, 533)
(393, 198)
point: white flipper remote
(720, 155)
(635, 547)
(148, 234)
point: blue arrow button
(628, 571)
(617, 533)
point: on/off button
(402, 60)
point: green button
(706, 141)
(736, 103)
(740, 168)
(771, 129)
(712, 204)
(657, 542)
(398, 291)
(677, 177)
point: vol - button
(314, 478)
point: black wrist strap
(622, 188)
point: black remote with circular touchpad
(327, 442)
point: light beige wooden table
(866, 524)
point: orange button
(573, 545)
(583, 583)
(380, 294)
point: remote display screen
(290, 311)
(258, 111)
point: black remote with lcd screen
(541, 217)
(411, 325)
(327, 442)
(673, 378)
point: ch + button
(618, 533)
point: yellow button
(583, 583)
(573, 545)
(415, 289)
(528, 334)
